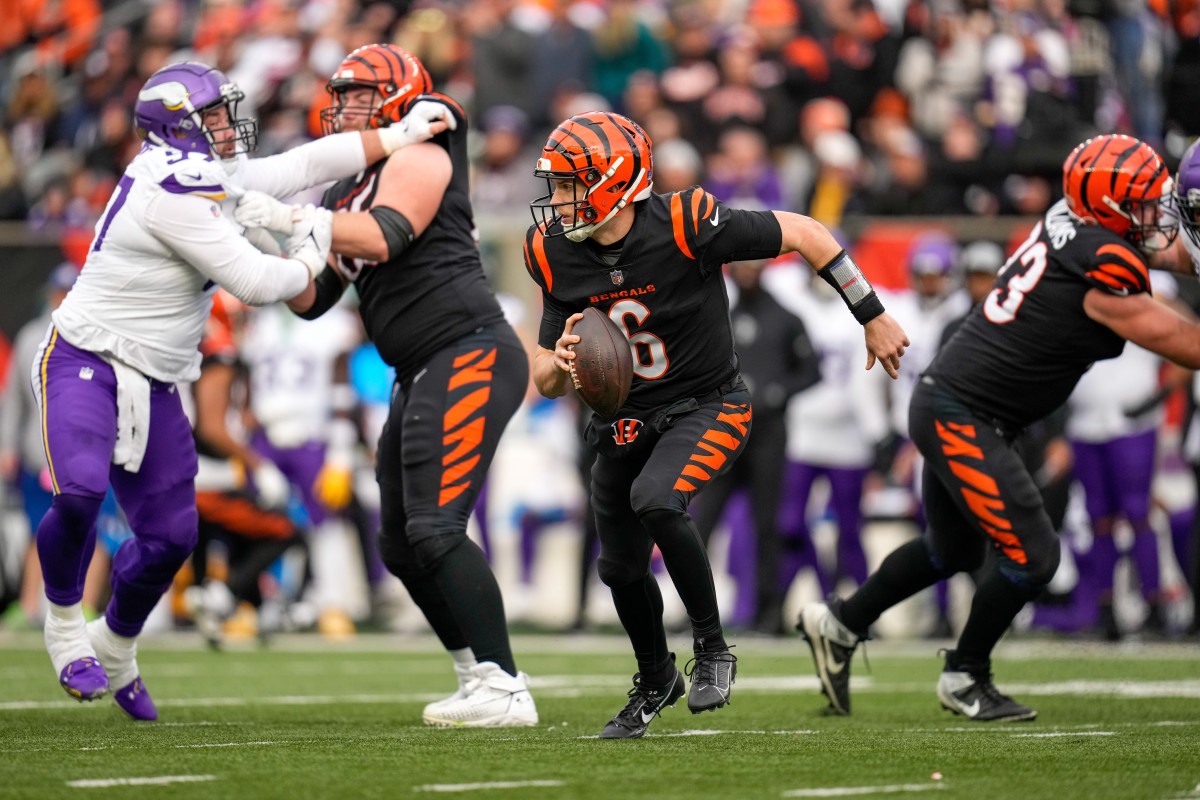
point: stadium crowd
(838, 109)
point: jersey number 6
(649, 353)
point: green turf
(269, 723)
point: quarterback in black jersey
(1072, 294)
(403, 234)
(652, 263)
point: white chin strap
(580, 232)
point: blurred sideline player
(302, 404)
(1072, 294)
(129, 331)
(831, 434)
(777, 362)
(22, 456)
(240, 496)
(652, 263)
(404, 235)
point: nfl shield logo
(617, 276)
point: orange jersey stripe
(448, 494)
(692, 471)
(683, 486)
(538, 258)
(677, 226)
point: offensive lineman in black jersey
(1072, 294)
(652, 262)
(404, 234)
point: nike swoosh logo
(715, 217)
(972, 709)
(646, 718)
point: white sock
(66, 635)
(118, 654)
(464, 659)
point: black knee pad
(1042, 564)
(620, 573)
(651, 492)
(409, 559)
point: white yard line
(229, 744)
(1059, 734)
(161, 780)
(851, 791)
(475, 787)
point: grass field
(308, 719)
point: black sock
(661, 677)
(640, 608)
(997, 601)
(473, 596)
(902, 574)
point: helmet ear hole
(592, 176)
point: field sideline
(304, 718)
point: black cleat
(645, 703)
(832, 645)
(712, 676)
(973, 695)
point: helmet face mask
(606, 160)
(172, 106)
(396, 77)
(1121, 184)
(1187, 199)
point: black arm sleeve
(329, 288)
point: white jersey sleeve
(161, 248)
(331, 158)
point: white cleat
(492, 699)
(464, 675)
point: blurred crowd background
(892, 121)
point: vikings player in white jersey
(129, 330)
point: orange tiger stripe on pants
(463, 423)
(715, 447)
(979, 490)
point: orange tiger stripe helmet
(1121, 184)
(610, 155)
(396, 75)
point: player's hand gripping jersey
(664, 289)
(1021, 351)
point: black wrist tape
(847, 279)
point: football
(602, 370)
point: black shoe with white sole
(832, 645)
(645, 703)
(969, 691)
(712, 674)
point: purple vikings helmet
(1187, 194)
(932, 253)
(171, 106)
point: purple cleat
(84, 679)
(135, 701)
